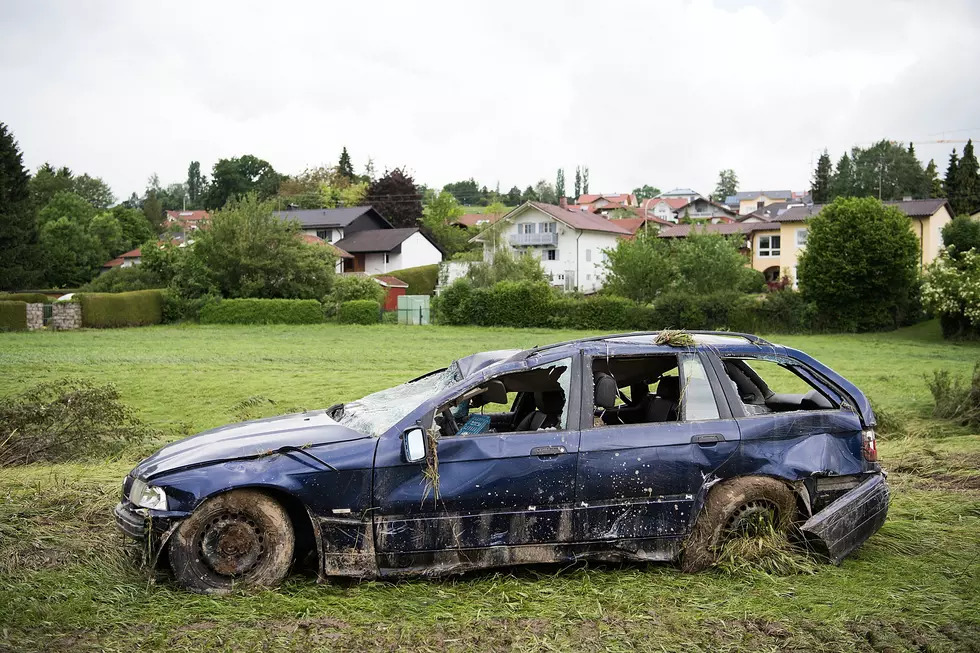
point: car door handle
(547, 451)
(708, 439)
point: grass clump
(766, 551)
(674, 338)
(65, 420)
(955, 399)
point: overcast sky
(665, 93)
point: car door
(642, 480)
(499, 489)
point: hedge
(421, 280)
(262, 311)
(122, 309)
(13, 315)
(526, 304)
(29, 297)
(359, 311)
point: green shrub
(453, 305)
(720, 310)
(359, 311)
(107, 310)
(28, 297)
(261, 311)
(421, 280)
(389, 317)
(351, 287)
(783, 311)
(563, 313)
(177, 308)
(513, 303)
(750, 281)
(135, 277)
(955, 399)
(603, 313)
(13, 316)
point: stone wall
(66, 315)
(35, 316)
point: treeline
(890, 171)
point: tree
(585, 180)
(640, 269)
(18, 219)
(248, 252)
(47, 182)
(529, 195)
(231, 178)
(505, 267)
(727, 185)
(396, 198)
(578, 182)
(95, 191)
(369, 174)
(197, 185)
(935, 185)
(645, 192)
(153, 210)
(439, 217)
(545, 192)
(513, 196)
(466, 192)
(842, 183)
(887, 171)
(961, 235)
(707, 263)
(72, 253)
(949, 183)
(860, 265)
(967, 183)
(820, 186)
(344, 167)
(173, 197)
(136, 229)
(560, 184)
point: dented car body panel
(579, 488)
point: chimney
(563, 202)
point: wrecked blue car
(608, 448)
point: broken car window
(529, 400)
(378, 412)
(769, 386)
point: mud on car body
(607, 448)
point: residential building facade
(570, 244)
(750, 201)
(377, 251)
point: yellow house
(775, 246)
(750, 201)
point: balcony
(527, 240)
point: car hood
(247, 440)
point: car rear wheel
(242, 538)
(739, 507)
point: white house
(570, 244)
(377, 251)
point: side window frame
(571, 398)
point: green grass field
(66, 585)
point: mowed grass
(66, 582)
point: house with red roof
(570, 244)
(606, 202)
(182, 223)
(126, 260)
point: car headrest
(495, 393)
(605, 391)
(550, 401)
(669, 388)
(638, 391)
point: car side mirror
(413, 444)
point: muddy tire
(242, 538)
(733, 507)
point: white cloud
(665, 93)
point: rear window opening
(765, 386)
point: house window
(801, 236)
(768, 246)
(761, 204)
(526, 228)
(323, 234)
(547, 227)
(551, 255)
(386, 258)
(588, 277)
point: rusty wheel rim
(232, 544)
(750, 520)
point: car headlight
(147, 496)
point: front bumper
(846, 523)
(141, 524)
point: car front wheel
(737, 507)
(240, 538)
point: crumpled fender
(845, 524)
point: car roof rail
(753, 339)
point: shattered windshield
(378, 412)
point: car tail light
(869, 445)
